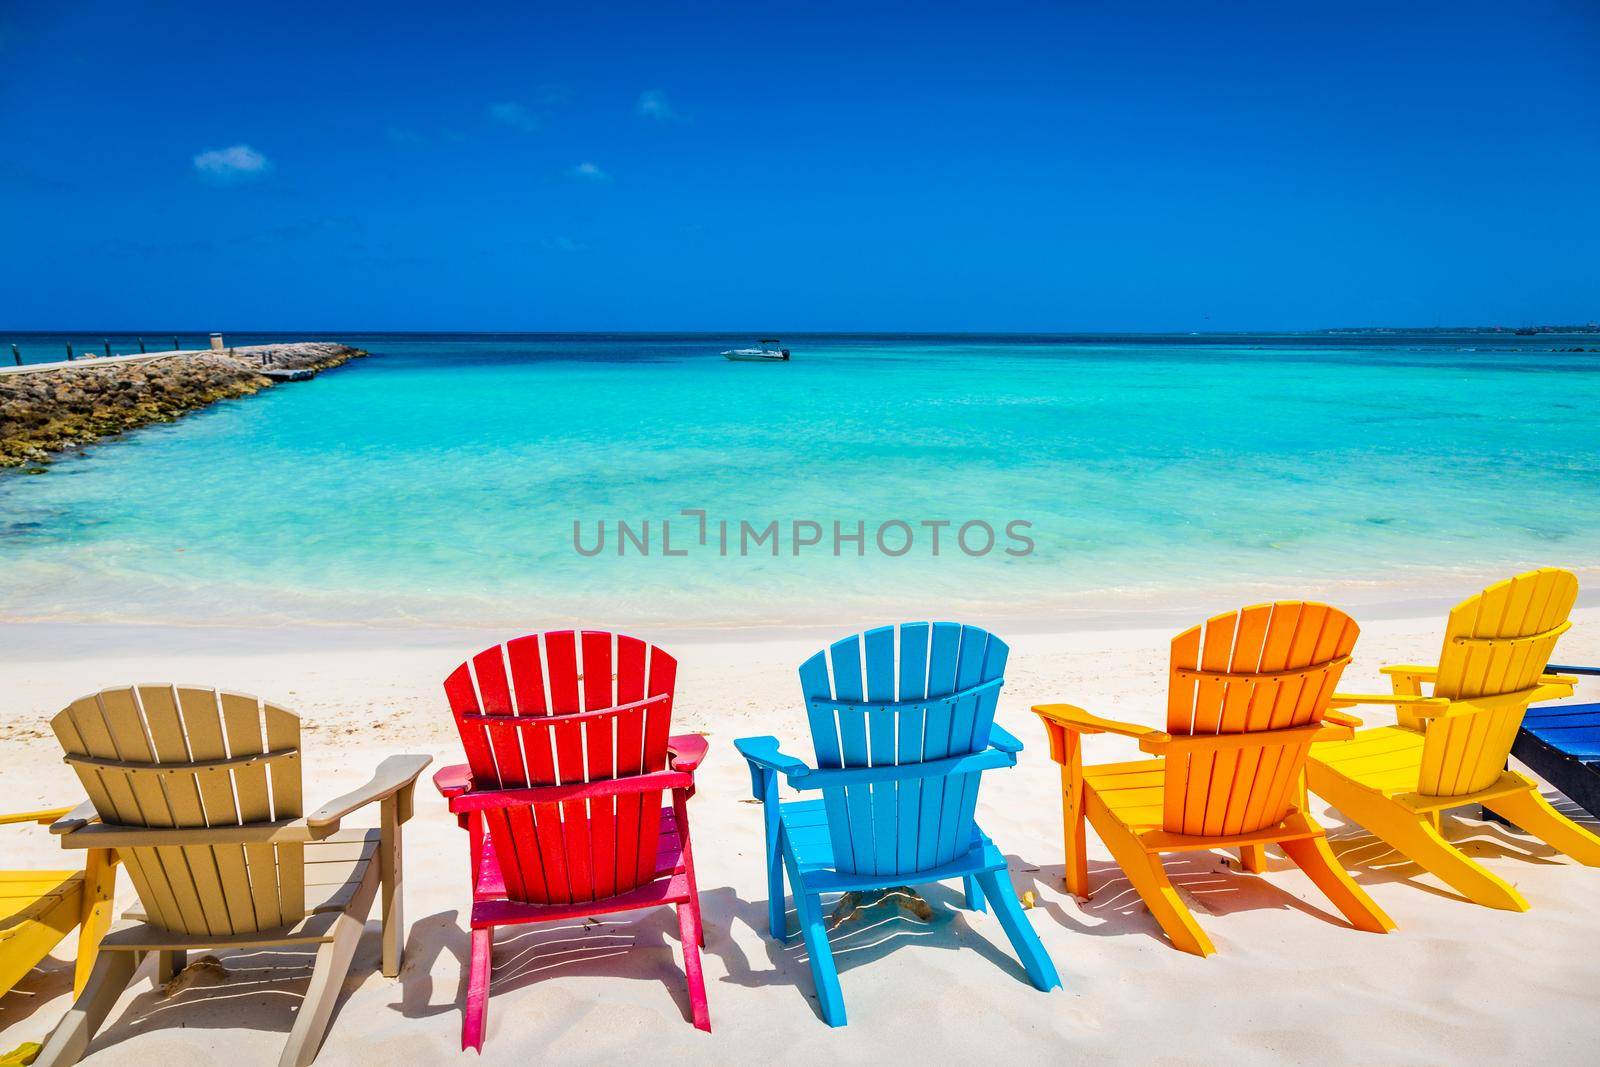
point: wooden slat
(203, 730)
(944, 663)
(909, 725)
(561, 666)
(283, 732)
(631, 655)
(241, 721)
(600, 757)
(878, 647)
(845, 658)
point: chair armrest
(393, 775)
(1079, 721)
(1339, 718)
(763, 752)
(1422, 707)
(453, 780)
(1416, 669)
(686, 751)
(43, 815)
(76, 819)
(1003, 739)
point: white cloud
(235, 161)
(653, 105)
(590, 172)
(514, 115)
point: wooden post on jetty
(141, 346)
(108, 347)
(69, 351)
(174, 344)
(16, 355)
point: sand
(1290, 983)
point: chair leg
(70, 1039)
(475, 1016)
(777, 905)
(689, 928)
(99, 887)
(1312, 855)
(389, 877)
(327, 980)
(1149, 877)
(823, 972)
(1533, 813)
(1073, 835)
(1253, 858)
(974, 893)
(680, 805)
(169, 964)
(1416, 837)
(1024, 939)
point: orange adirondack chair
(1247, 697)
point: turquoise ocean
(440, 481)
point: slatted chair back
(561, 708)
(1496, 644)
(1269, 667)
(892, 698)
(180, 757)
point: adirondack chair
(1247, 697)
(1561, 744)
(178, 782)
(39, 908)
(1449, 748)
(903, 732)
(562, 794)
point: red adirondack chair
(568, 762)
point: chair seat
(492, 907)
(336, 870)
(1386, 760)
(1132, 791)
(31, 897)
(1573, 729)
(805, 826)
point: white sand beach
(1291, 981)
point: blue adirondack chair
(901, 743)
(1561, 743)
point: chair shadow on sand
(874, 933)
(1212, 882)
(1372, 861)
(37, 988)
(642, 945)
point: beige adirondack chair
(198, 791)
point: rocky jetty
(46, 410)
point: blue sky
(1000, 166)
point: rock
(51, 410)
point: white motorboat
(769, 352)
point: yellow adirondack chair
(1449, 748)
(39, 908)
(198, 792)
(1244, 706)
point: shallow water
(439, 481)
